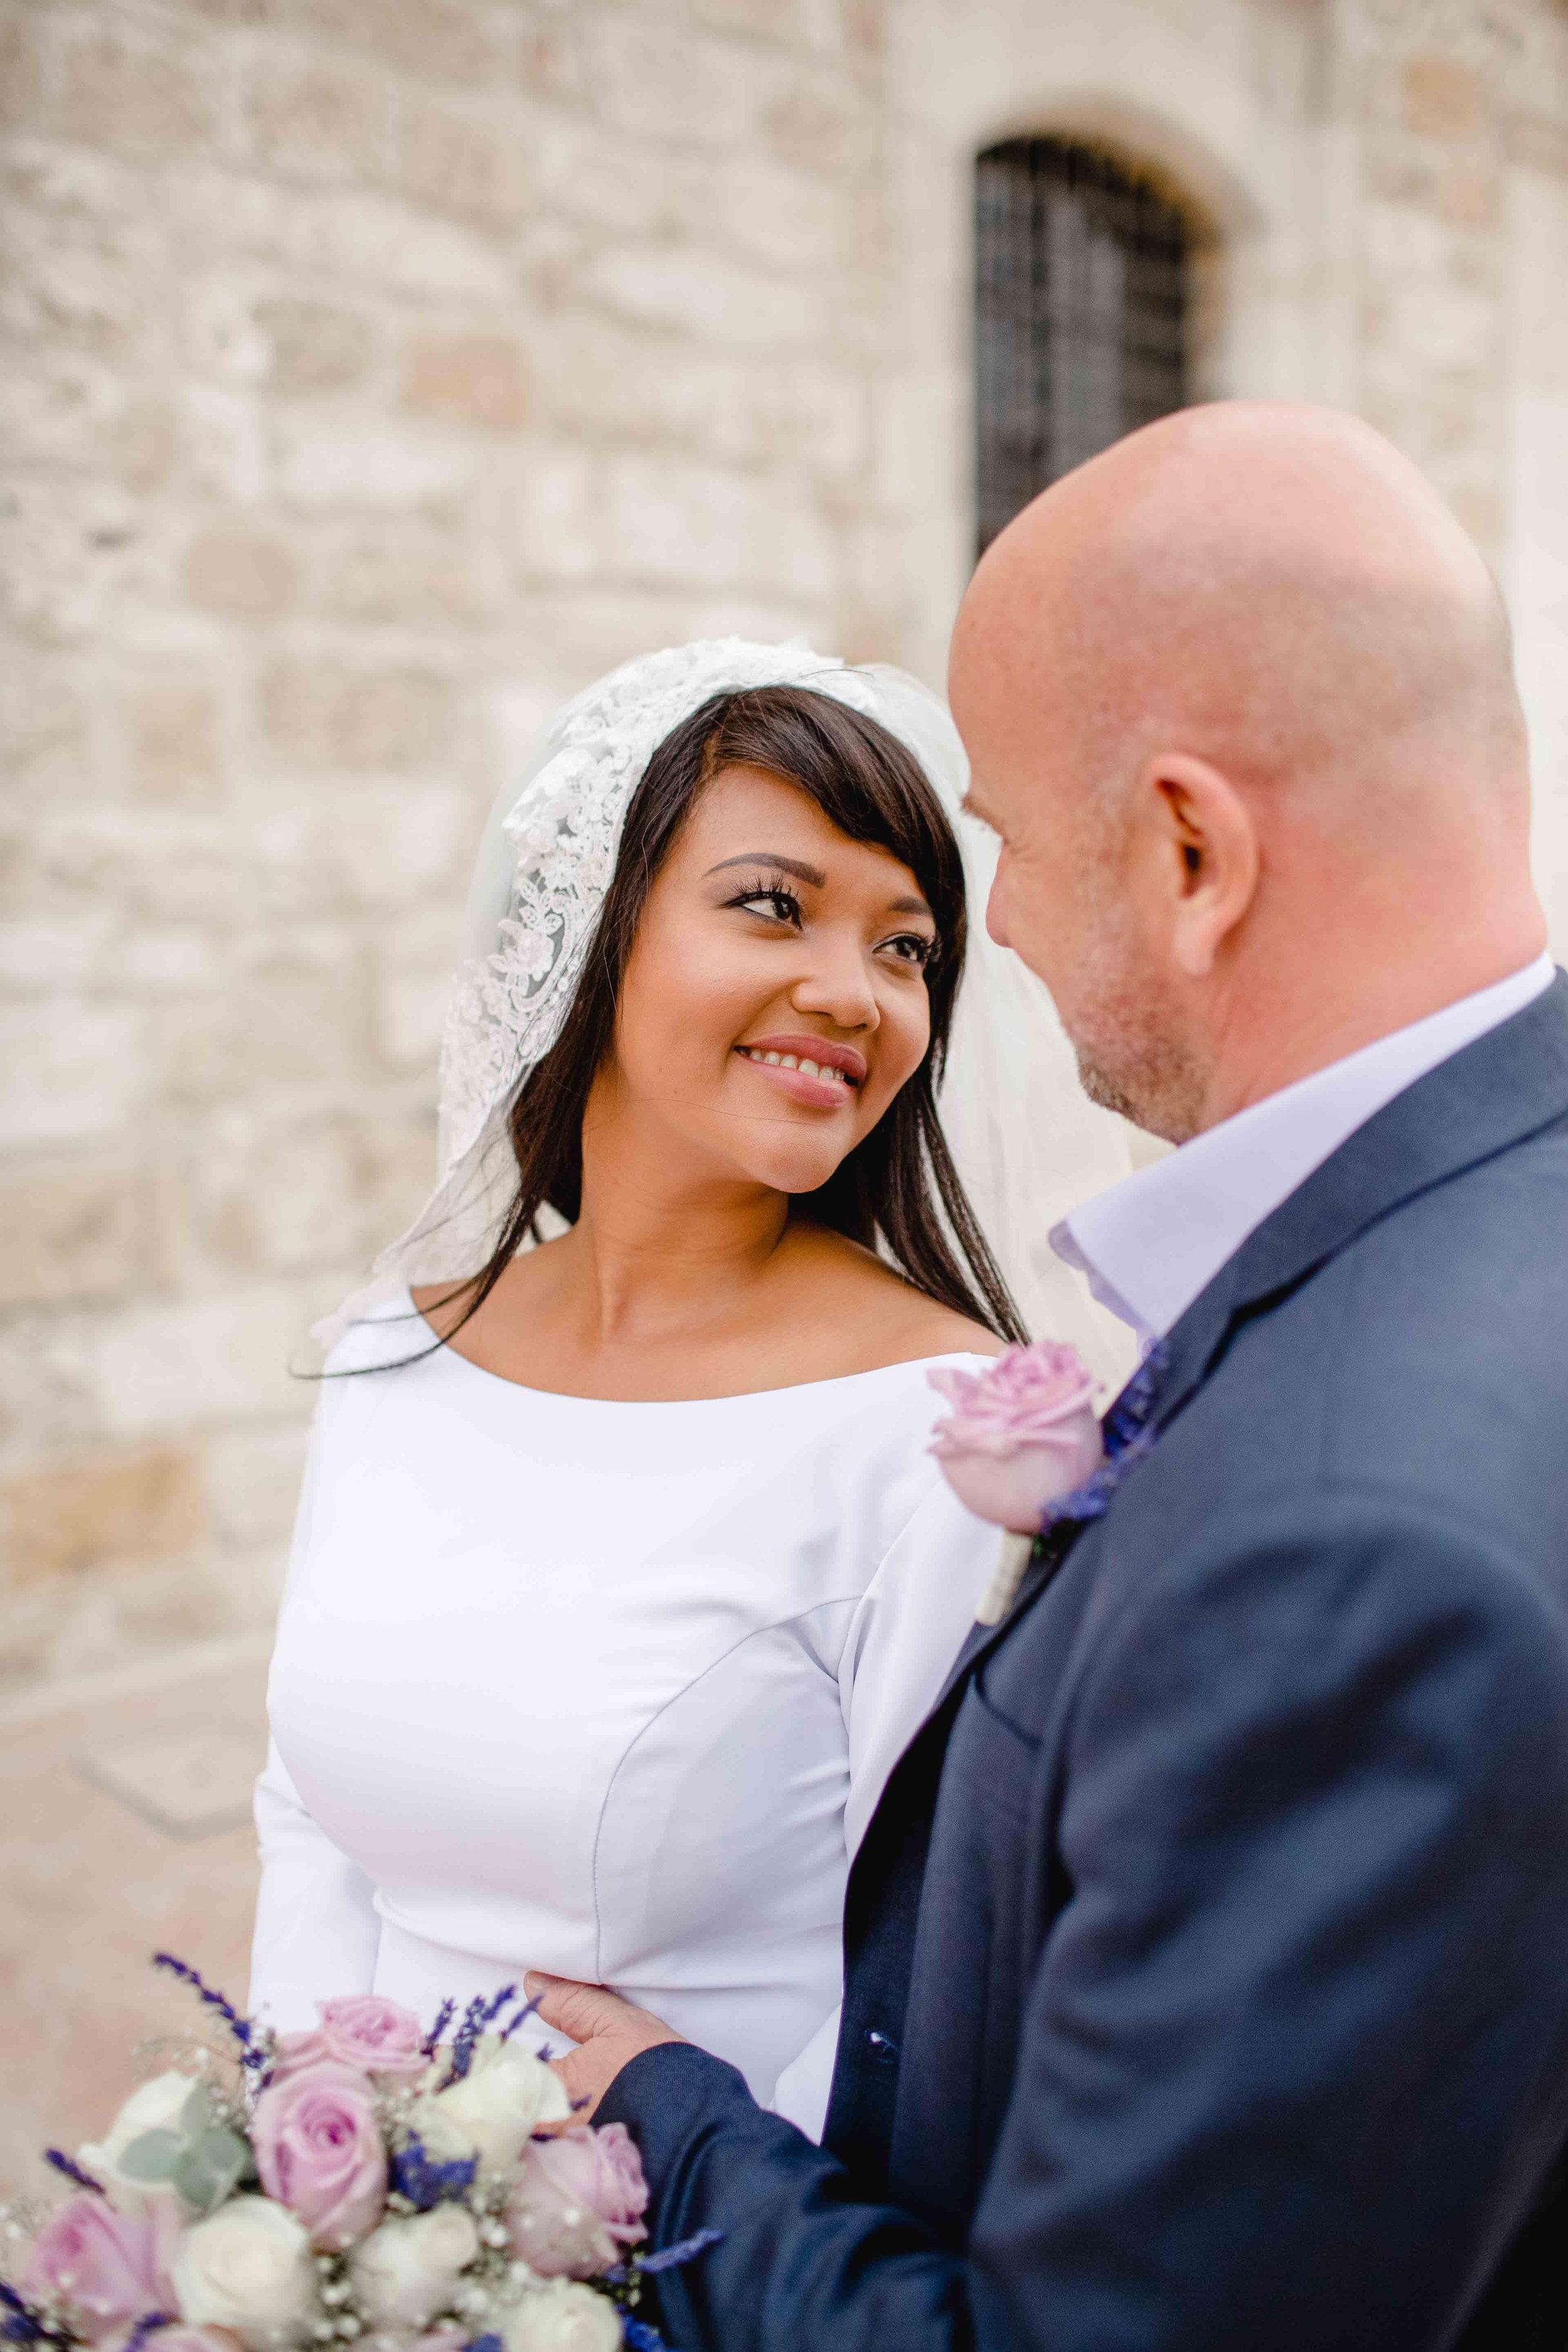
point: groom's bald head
(1238, 695)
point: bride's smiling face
(770, 943)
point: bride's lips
(821, 1093)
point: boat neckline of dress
(648, 1404)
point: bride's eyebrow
(802, 873)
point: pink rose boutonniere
(1021, 1434)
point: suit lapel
(1507, 1086)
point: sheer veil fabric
(1027, 1143)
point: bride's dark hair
(898, 1186)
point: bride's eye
(912, 947)
(771, 899)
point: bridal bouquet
(367, 2184)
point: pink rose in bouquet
(318, 2150)
(1021, 1434)
(111, 2267)
(379, 2037)
(579, 2201)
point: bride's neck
(657, 1246)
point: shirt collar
(1151, 1243)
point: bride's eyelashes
(773, 894)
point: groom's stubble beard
(1131, 1059)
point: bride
(622, 1572)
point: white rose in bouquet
(562, 2318)
(408, 2270)
(158, 2105)
(250, 2268)
(506, 2094)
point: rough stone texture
(370, 377)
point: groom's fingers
(609, 2032)
(578, 2009)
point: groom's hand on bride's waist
(608, 2031)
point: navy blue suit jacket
(1207, 1955)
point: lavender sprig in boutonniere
(1023, 1447)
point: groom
(1208, 1957)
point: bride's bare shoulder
(894, 1322)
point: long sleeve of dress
(316, 1926)
(907, 1631)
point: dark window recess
(1081, 314)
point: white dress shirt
(606, 1689)
(1151, 1243)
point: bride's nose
(838, 987)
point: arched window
(1081, 313)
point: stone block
(551, 520)
(252, 1479)
(313, 346)
(172, 739)
(323, 464)
(227, 454)
(68, 544)
(465, 379)
(671, 521)
(410, 574)
(242, 572)
(283, 1194)
(1537, 142)
(1443, 99)
(377, 844)
(168, 961)
(658, 79)
(704, 295)
(18, 67)
(460, 164)
(141, 443)
(784, 219)
(317, 121)
(59, 408)
(43, 723)
(116, 93)
(436, 40)
(72, 1232)
(197, 1364)
(320, 713)
(413, 976)
(143, 1503)
(818, 123)
(69, 1071)
(354, 237)
(49, 953)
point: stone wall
(374, 375)
(375, 372)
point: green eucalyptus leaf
(197, 2111)
(197, 2183)
(223, 2152)
(151, 2155)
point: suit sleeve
(1290, 2066)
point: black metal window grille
(1081, 314)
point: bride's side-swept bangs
(898, 1191)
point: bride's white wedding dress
(606, 1689)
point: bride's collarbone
(829, 1317)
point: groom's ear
(1202, 861)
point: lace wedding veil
(1026, 1142)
